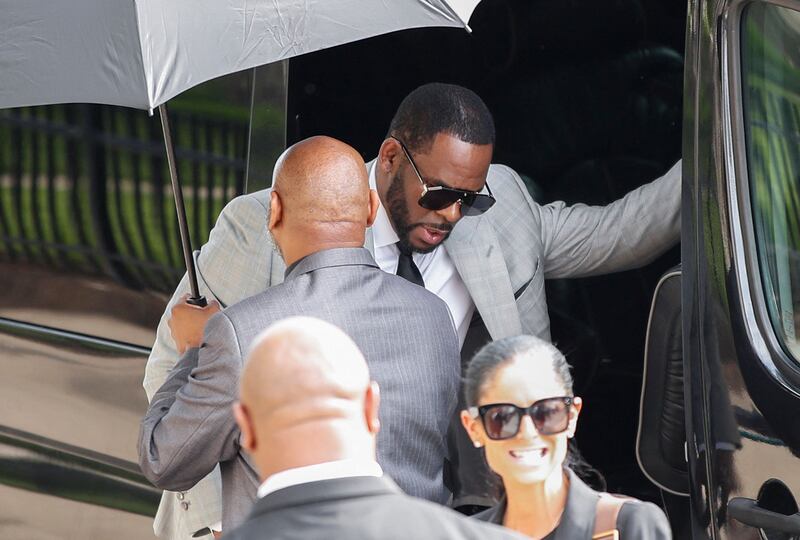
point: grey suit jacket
(359, 508)
(503, 257)
(407, 337)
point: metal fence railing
(86, 188)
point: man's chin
(423, 249)
(421, 246)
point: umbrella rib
(146, 58)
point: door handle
(748, 512)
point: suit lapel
(475, 251)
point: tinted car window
(771, 90)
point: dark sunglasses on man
(503, 420)
(439, 197)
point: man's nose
(451, 213)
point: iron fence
(86, 188)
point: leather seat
(661, 437)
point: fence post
(92, 127)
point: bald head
(320, 198)
(323, 180)
(304, 378)
(303, 360)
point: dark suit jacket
(637, 520)
(407, 337)
(358, 508)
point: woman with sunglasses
(521, 410)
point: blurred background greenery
(86, 187)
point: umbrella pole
(180, 209)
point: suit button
(180, 496)
(185, 505)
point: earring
(477, 444)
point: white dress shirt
(437, 269)
(344, 468)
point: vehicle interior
(587, 100)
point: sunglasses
(503, 420)
(438, 197)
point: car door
(741, 261)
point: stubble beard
(398, 214)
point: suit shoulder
(242, 220)
(413, 295)
(509, 190)
(235, 262)
(502, 173)
(503, 177)
(393, 516)
(256, 303)
(249, 203)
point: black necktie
(407, 269)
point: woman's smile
(531, 456)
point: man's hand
(187, 323)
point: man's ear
(248, 439)
(388, 154)
(372, 403)
(374, 204)
(275, 210)
(577, 403)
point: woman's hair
(498, 354)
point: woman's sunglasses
(503, 420)
(439, 197)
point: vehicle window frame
(761, 334)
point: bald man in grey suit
(306, 380)
(319, 210)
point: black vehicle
(696, 357)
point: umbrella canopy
(141, 53)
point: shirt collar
(382, 231)
(344, 468)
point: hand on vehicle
(188, 321)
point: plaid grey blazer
(503, 257)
